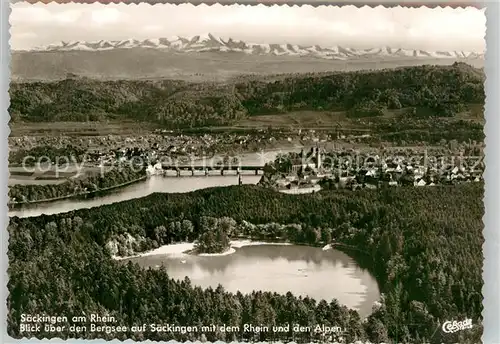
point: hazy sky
(413, 28)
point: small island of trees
(214, 238)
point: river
(185, 183)
(303, 270)
(136, 190)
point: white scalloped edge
(289, 3)
(4, 99)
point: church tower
(318, 158)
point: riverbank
(184, 249)
(14, 204)
(153, 184)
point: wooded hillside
(441, 91)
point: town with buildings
(335, 170)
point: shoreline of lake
(185, 249)
(285, 263)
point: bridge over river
(257, 169)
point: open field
(474, 113)
(19, 129)
(15, 180)
(319, 120)
(42, 175)
(296, 120)
(328, 120)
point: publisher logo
(455, 326)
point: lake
(302, 270)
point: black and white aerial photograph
(246, 173)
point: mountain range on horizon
(210, 43)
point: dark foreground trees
(423, 246)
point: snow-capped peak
(209, 42)
(206, 37)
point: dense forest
(437, 91)
(424, 246)
(214, 237)
(88, 183)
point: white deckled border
(491, 219)
(491, 247)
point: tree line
(408, 238)
(88, 183)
